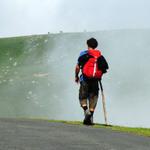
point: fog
(37, 81)
(22, 17)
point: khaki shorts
(89, 92)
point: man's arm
(77, 71)
(81, 61)
(102, 64)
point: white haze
(22, 17)
(40, 82)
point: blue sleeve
(81, 54)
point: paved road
(18, 134)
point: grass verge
(137, 131)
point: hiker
(92, 65)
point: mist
(37, 81)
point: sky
(24, 17)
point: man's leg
(87, 114)
(83, 96)
(93, 97)
(83, 103)
(92, 105)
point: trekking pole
(103, 102)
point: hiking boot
(91, 119)
(87, 119)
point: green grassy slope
(28, 74)
(20, 61)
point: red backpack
(90, 69)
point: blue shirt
(81, 54)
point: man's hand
(77, 80)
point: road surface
(22, 134)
